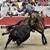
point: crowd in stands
(12, 7)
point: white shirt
(4, 10)
(13, 11)
(1, 1)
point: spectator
(43, 3)
(4, 9)
(13, 10)
(48, 3)
(33, 2)
(27, 8)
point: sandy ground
(33, 43)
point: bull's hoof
(18, 43)
(5, 48)
(45, 43)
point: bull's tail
(4, 34)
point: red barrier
(10, 20)
(14, 20)
(47, 21)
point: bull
(21, 32)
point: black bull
(21, 32)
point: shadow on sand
(32, 44)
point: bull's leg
(18, 42)
(9, 39)
(44, 40)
